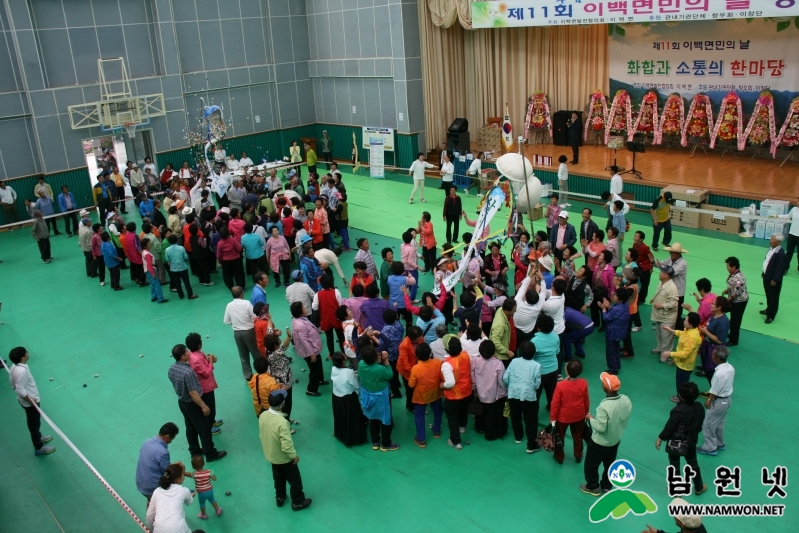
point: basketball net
(130, 127)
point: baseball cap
(296, 275)
(666, 269)
(610, 381)
(277, 397)
(564, 214)
(691, 522)
(292, 172)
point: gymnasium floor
(74, 329)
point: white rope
(83, 458)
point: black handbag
(678, 442)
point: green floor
(75, 329)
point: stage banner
(516, 13)
(377, 166)
(711, 57)
(384, 134)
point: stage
(728, 176)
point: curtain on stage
(478, 71)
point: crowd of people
(507, 339)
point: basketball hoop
(130, 127)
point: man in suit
(587, 228)
(773, 271)
(575, 136)
(562, 235)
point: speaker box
(459, 125)
(560, 128)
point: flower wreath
(597, 113)
(761, 126)
(700, 119)
(620, 115)
(538, 116)
(789, 133)
(672, 119)
(647, 117)
(729, 123)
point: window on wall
(73, 34)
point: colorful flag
(507, 131)
(355, 154)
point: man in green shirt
(279, 450)
(310, 158)
(385, 271)
(612, 415)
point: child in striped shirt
(203, 487)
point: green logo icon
(618, 503)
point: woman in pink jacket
(278, 254)
(203, 366)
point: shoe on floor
(700, 491)
(763, 312)
(462, 430)
(635, 329)
(578, 459)
(422, 200)
(375, 445)
(163, 301)
(102, 284)
(533, 450)
(280, 501)
(700, 373)
(216, 430)
(218, 422)
(593, 492)
(300, 506)
(324, 382)
(173, 290)
(219, 454)
(46, 439)
(675, 399)
(219, 512)
(202, 516)
(420, 443)
(393, 447)
(44, 450)
(708, 452)
(315, 394)
(458, 446)
(410, 201)
(769, 320)
(194, 296)
(210, 283)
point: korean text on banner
(517, 13)
(386, 134)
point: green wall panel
(76, 179)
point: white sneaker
(102, 284)
(567, 205)
(635, 329)
(462, 430)
(654, 327)
(422, 200)
(466, 192)
(410, 201)
(207, 284)
(563, 205)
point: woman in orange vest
(406, 360)
(456, 373)
(426, 383)
(326, 301)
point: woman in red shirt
(228, 253)
(361, 277)
(570, 405)
(326, 301)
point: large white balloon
(534, 188)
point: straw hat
(676, 248)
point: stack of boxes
(683, 197)
(764, 229)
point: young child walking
(203, 486)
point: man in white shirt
(529, 302)
(616, 183)
(299, 291)
(718, 402)
(232, 164)
(8, 197)
(447, 174)
(273, 182)
(325, 255)
(793, 234)
(219, 154)
(240, 316)
(28, 397)
(245, 161)
(417, 171)
(563, 181)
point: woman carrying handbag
(682, 432)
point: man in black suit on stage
(575, 134)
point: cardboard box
(723, 219)
(782, 228)
(692, 196)
(760, 229)
(538, 214)
(774, 208)
(684, 219)
(769, 231)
